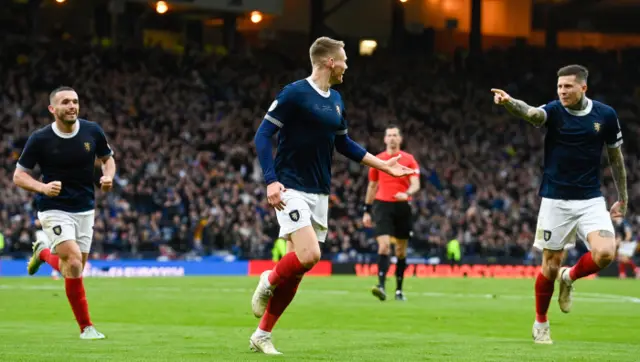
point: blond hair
(324, 47)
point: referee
(391, 211)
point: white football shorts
(559, 221)
(303, 209)
(627, 248)
(62, 226)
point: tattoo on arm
(619, 172)
(533, 115)
(605, 234)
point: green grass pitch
(331, 319)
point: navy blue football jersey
(68, 158)
(573, 149)
(309, 119)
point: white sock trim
(541, 325)
(566, 276)
(260, 333)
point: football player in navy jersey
(577, 130)
(311, 121)
(66, 151)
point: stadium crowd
(188, 181)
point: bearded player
(66, 151)
(391, 211)
(577, 130)
(311, 121)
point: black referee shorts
(393, 219)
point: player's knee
(70, 260)
(603, 256)
(309, 258)
(401, 251)
(551, 269)
(72, 266)
(383, 248)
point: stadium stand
(189, 183)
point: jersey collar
(61, 134)
(320, 91)
(581, 112)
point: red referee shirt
(388, 185)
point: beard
(67, 118)
(336, 78)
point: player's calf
(306, 254)
(384, 250)
(71, 268)
(544, 286)
(401, 267)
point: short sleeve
(281, 108)
(343, 120)
(550, 111)
(373, 174)
(613, 135)
(30, 154)
(102, 146)
(414, 165)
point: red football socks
(282, 296)
(78, 300)
(622, 268)
(544, 292)
(51, 259)
(584, 267)
(287, 268)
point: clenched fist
(52, 189)
(106, 183)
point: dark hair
(581, 73)
(58, 90)
(392, 126)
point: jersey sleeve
(102, 146)
(373, 175)
(281, 108)
(550, 112)
(414, 165)
(30, 154)
(613, 135)
(343, 120)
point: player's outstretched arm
(518, 108)
(619, 173)
(391, 166)
(357, 153)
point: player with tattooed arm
(572, 203)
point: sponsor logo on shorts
(547, 235)
(294, 215)
(57, 230)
